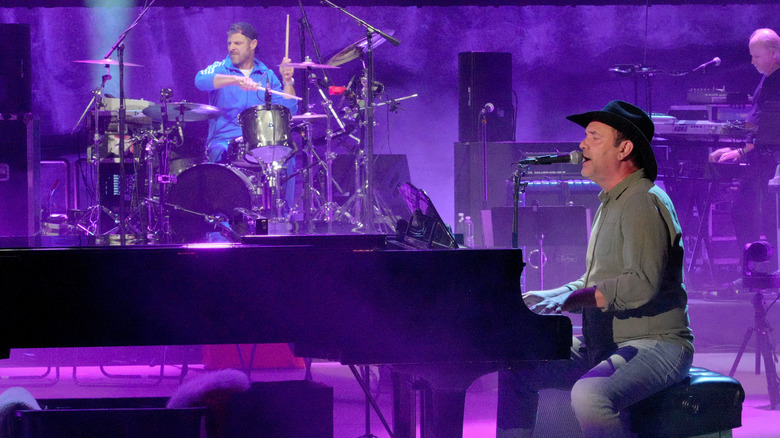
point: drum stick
(287, 39)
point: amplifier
(708, 95)
(712, 113)
(560, 192)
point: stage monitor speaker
(20, 158)
(485, 77)
(15, 84)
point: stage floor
(349, 406)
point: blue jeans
(637, 370)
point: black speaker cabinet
(114, 423)
(485, 77)
(286, 409)
(20, 158)
(15, 84)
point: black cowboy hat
(634, 123)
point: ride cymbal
(353, 51)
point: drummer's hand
(246, 83)
(286, 72)
(725, 155)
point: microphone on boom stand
(573, 157)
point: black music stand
(425, 228)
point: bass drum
(206, 189)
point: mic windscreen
(576, 157)
(717, 61)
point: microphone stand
(119, 46)
(483, 133)
(517, 188)
(368, 190)
(305, 25)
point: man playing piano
(636, 334)
(752, 211)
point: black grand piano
(445, 316)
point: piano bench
(705, 404)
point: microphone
(488, 108)
(573, 157)
(714, 60)
(181, 134)
(267, 91)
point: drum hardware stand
(164, 177)
(366, 195)
(329, 207)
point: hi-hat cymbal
(309, 116)
(106, 62)
(353, 51)
(184, 111)
(306, 64)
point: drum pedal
(249, 222)
(166, 179)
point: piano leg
(443, 398)
(404, 404)
(442, 414)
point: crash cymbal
(309, 116)
(306, 64)
(353, 51)
(184, 111)
(106, 62)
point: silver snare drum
(266, 133)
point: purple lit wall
(561, 56)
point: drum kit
(162, 201)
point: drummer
(232, 84)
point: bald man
(753, 208)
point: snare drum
(208, 189)
(266, 133)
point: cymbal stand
(120, 47)
(91, 216)
(366, 189)
(308, 179)
(331, 114)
